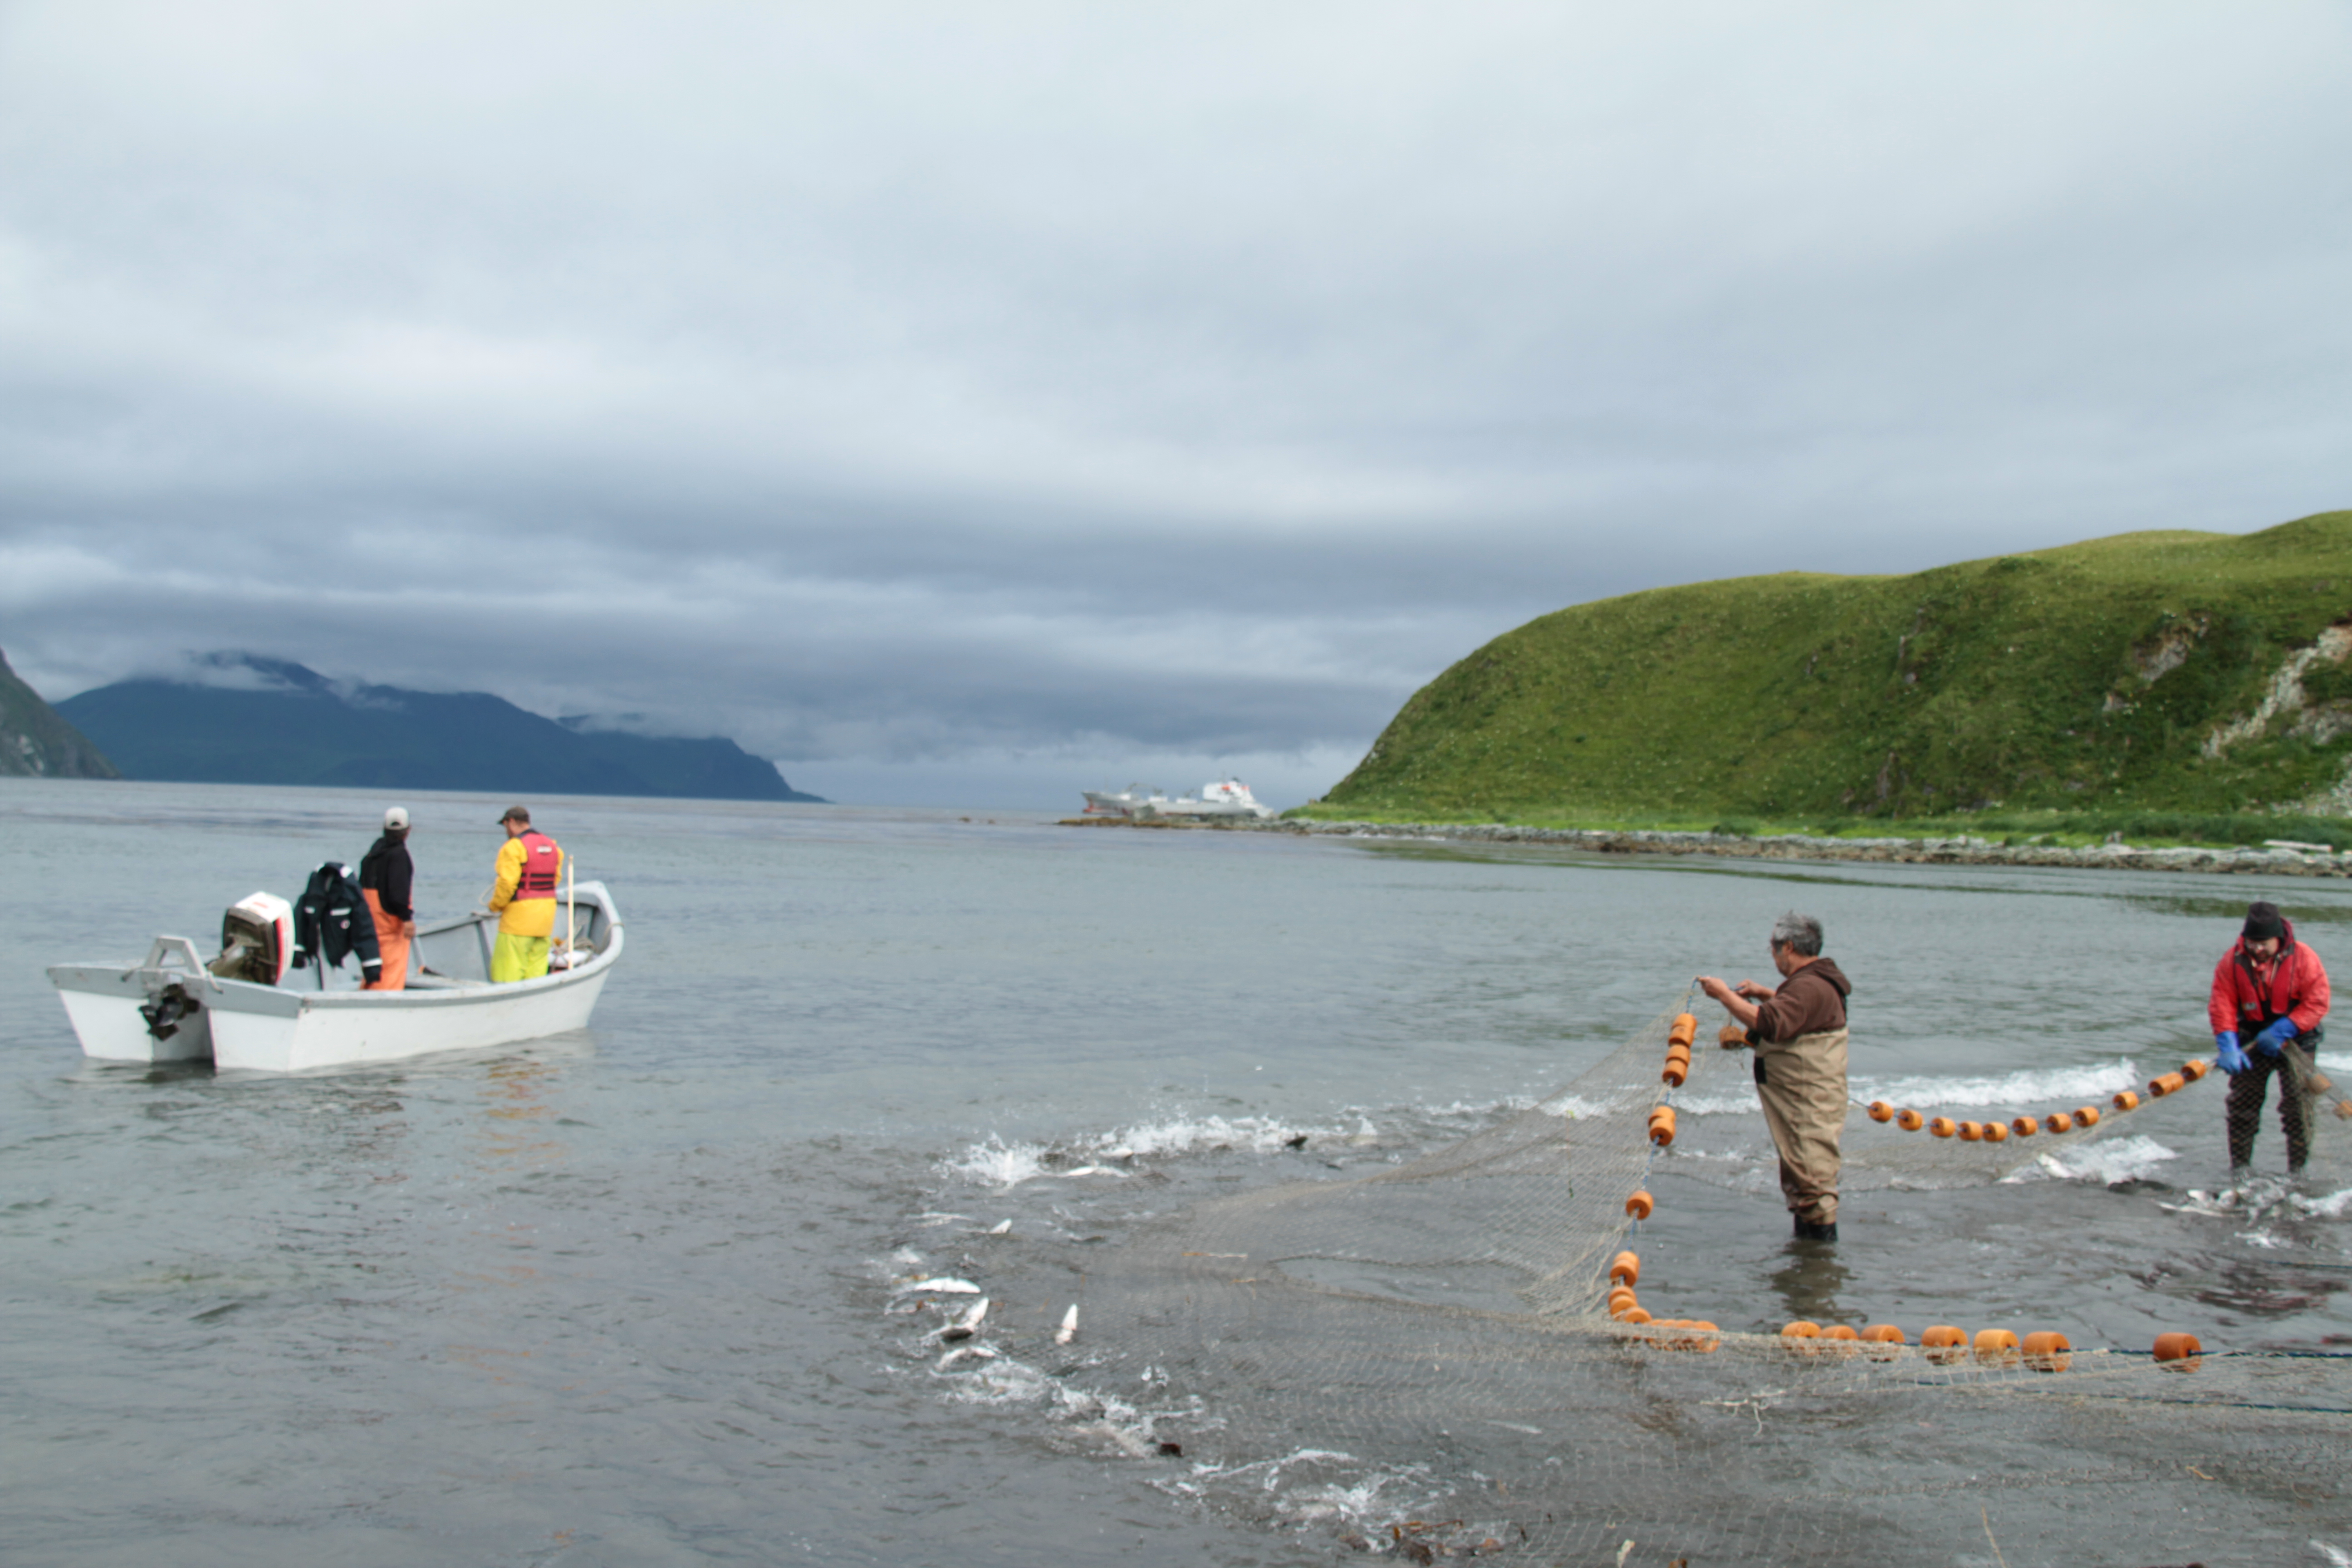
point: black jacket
(331, 919)
(387, 869)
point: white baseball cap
(394, 818)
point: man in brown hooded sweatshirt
(1799, 1033)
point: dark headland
(268, 722)
(36, 741)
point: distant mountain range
(245, 719)
(37, 743)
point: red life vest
(541, 859)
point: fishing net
(1422, 1362)
(2304, 1096)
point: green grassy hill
(2122, 675)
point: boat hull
(279, 1031)
(113, 1007)
(112, 1029)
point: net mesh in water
(1422, 1362)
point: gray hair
(1801, 933)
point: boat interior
(455, 954)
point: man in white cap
(387, 878)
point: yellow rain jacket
(530, 871)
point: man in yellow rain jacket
(531, 867)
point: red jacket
(2298, 989)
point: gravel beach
(2270, 860)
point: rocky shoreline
(2270, 860)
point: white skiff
(171, 1007)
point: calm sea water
(621, 1297)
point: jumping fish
(963, 1328)
(1070, 1329)
(1001, 1228)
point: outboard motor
(257, 940)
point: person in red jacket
(2270, 992)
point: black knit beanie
(2263, 922)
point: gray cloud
(921, 387)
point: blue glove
(2226, 1053)
(2269, 1041)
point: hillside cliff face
(2181, 671)
(37, 743)
(263, 720)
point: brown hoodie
(1809, 1002)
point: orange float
(1909, 1119)
(2181, 1348)
(2170, 1083)
(1994, 1132)
(1700, 1335)
(1884, 1335)
(2086, 1116)
(1943, 1127)
(1683, 1030)
(1998, 1346)
(2046, 1352)
(1676, 1070)
(1621, 1302)
(1625, 1268)
(2023, 1126)
(1881, 1112)
(1802, 1329)
(2058, 1122)
(1943, 1344)
(1632, 1315)
(1970, 1131)
(1662, 1126)
(2125, 1101)
(1732, 1034)
(1640, 1206)
(2192, 1071)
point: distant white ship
(1225, 798)
(1126, 801)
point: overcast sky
(968, 402)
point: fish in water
(963, 1328)
(1070, 1329)
(942, 1286)
(1001, 1228)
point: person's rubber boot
(1808, 1231)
